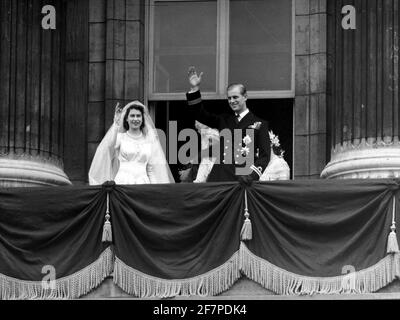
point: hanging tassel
(392, 245)
(107, 232)
(247, 231)
(349, 283)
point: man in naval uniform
(254, 146)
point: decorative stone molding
(31, 171)
(40, 158)
(365, 144)
(364, 160)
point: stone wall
(310, 132)
(113, 69)
(116, 73)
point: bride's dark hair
(125, 121)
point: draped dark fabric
(60, 227)
(315, 228)
(164, 235)
(178, 231)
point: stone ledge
(245, 289)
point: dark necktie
(237, 118)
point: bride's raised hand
(117, 114)
(194, 79)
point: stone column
(363, 91)
(31, 96)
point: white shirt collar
(242, 115)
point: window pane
(185, 34)
(260, 53)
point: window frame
(222, 62)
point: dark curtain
(60, 227)
(315, 228)
(177, 231)
(312, 228)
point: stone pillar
(363, 91)
(97, 75)
(77, 118)
(31, 96)
(310, 100)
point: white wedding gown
(277, 169)
(135, 160)
(127, 159)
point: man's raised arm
(195, 102)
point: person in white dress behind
(130, 152)
(277, 168)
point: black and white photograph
(199, 154)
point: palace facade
(330, 93)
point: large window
(185, 33)
(247, 41)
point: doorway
(278, 113)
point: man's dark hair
(242, 88)
(125, 121)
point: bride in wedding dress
(130, 152)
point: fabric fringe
(70, 287)
(211, 283)
(284, 282)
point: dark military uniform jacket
(231, 151)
